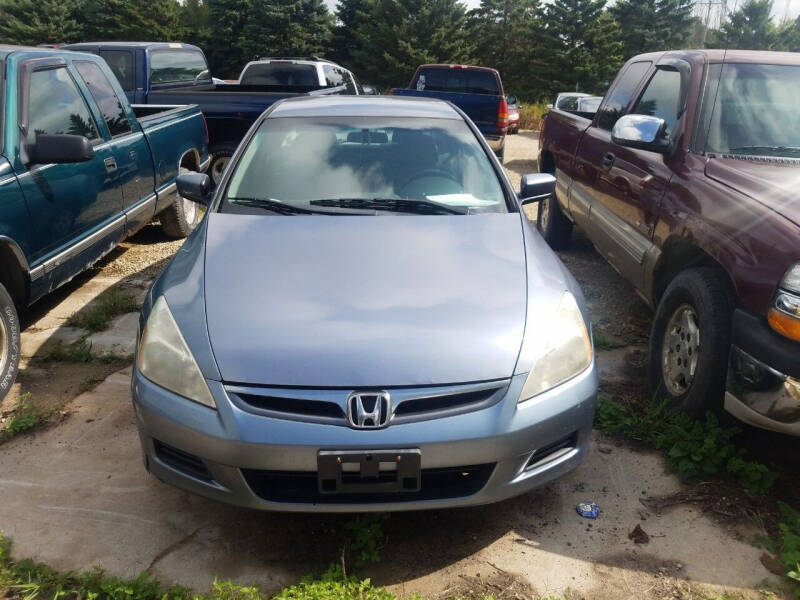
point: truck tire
(9, 342)
(690, 342)
(181, 217)
(220, 155)
(553, 224)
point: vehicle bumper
(496, 142)
(231, 444)
(763, 385)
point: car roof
(456, 66)
(152, 45)
(712, 55)
(364, 106)
(6, 49)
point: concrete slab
(76, 496)
(119, 338)
(37, 342)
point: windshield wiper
(405, 205)
(276, 206)
(793, 149)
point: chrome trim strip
(205, 164)
(167, 190)
(36, 274)
(148, 202)
(14, 178)
(88, 241)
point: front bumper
(234, 456)
(763, 385)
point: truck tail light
(502, 114)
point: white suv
(309, 72)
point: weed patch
(98, 316)
(368, 538)
(531, 113)
(693, 448)
(602, 341)
(81, 352)
(25, 417)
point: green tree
(285, 28)
(581, 47)
(196, 22)
(346, 35)
(32, 22)
(402, 34)
(749, 28)
(157, 20)
(506, 34)
(653, 24)
(227, 20)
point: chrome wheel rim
(680, 350)
(218, 168)
(544, 214)
(189, 210)
(4, 350)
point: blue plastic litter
(590, 510)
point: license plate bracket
(369, 471)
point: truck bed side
(558, 145)
(481, 108)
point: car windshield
(364, 165)
(280, 73)
(754, 111)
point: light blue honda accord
(364, 321)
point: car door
(131, 152)
(75, 208)
(620, 188)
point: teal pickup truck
(80, 170)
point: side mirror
(195, 187)
(641, 131)
(59, 148)
(369, 90)
(535, 187)
(549, 107)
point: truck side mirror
(195, 187)
(535, 187)
(59, 148)
(641, 131)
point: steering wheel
(430, 173)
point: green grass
(530, 115)
(25, 417)
(81, 352)
(98, 315)
(693, 448)
(602, 341)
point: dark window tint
(121, 63)
(447, 79)
(56, 106)
(280, 73)
(621, 94)
(333, 76)
(570, 103)
(103, 93)
(661, 98)
(174, 66)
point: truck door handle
(608, 161)
(111, 164)
(133, 154)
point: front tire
(690, 342)
(180, 218)
(553, 224)
(9, 342)
(220, 157)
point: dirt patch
(143, 256)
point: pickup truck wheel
(220, 156)
(690, 342)
(181, 217)
(553, 224)
(9, 342)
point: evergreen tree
(132, 20)
(285, 28)
(749, 28)
(227, 21)
(32, 22)
(653, 24)
(581, 48)
(346, 36)
(402, 34)
(196, 22)
(506, 35)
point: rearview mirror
(535, 187)
(59, 148)
(195, 187)
(641, 131)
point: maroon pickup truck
(687, 180)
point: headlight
(165, 359)
(567, 350)
(791, 281)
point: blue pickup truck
(478, 91)
(80, 170)
(171, 73)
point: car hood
(352, 301)
(774, 185)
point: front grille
(330, 405)
(301, 486)
(184, 462)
